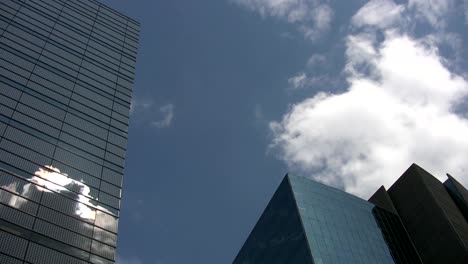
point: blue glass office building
(309, 222)
(340, 227)
(66, 74)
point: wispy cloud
(399, 106)
(298, 81)
(378, 13)
(316, 60)
(302, 80)
(140, 105)
(314, 76)
(167, 112)
(433, 12)
(146, 111)
(312, 17)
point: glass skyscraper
(66, 74)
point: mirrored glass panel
(63, 135)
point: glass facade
(66, 74)
(278, 236)
(340, 227)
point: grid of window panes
(66, 74)
(340, 227)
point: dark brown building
(432, 214)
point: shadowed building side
(432, 219)
(393, 230)
(458, 193)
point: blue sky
(230, 95)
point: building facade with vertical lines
(66, 76)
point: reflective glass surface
(66, 74)
(340, 227)
(278, 236)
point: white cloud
(452, 44)
(378, 13)
(322, 16)
(313, 17)
(168, 115)
(361, 54)
(399, 112)
(401, 106)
